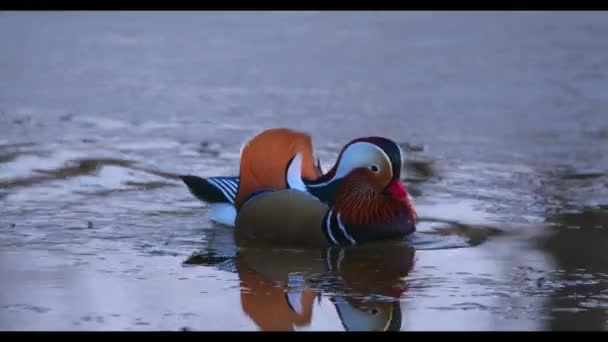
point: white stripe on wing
(215, 183)
(231, 184)
(227, 186)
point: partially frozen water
(502, 117)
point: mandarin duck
(281, 196)
(279, 287)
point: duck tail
(212, 189)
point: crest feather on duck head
(358, 153)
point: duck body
(294, 218)
(281, 197)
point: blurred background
(501, 115)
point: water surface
(501, 115)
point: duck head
(364, 186)
(376, 159)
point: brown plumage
(358, 200)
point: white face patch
(359, 154)
(355, 319)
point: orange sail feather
(265, 158)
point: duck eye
(374, 168)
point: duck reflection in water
(364, 283)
